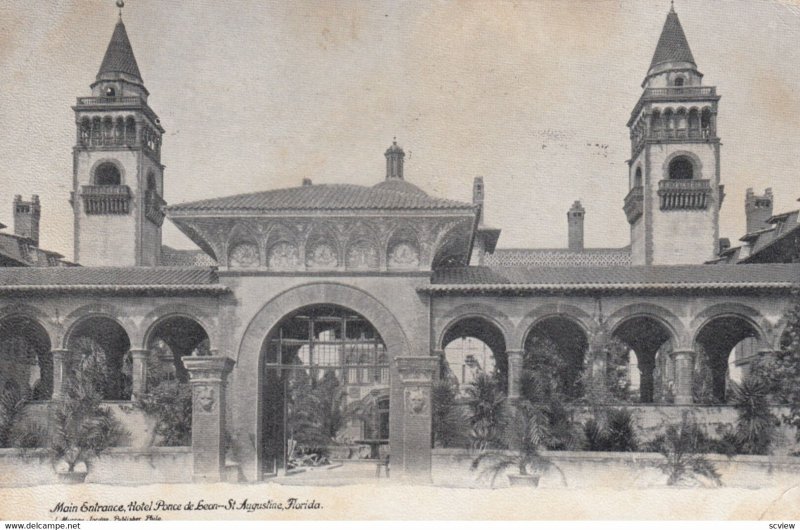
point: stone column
(514, 373)
(61, 365)
(139, 372)
(207, 375)
(684, 373)
(413, 443)
(646, 382)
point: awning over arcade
(659, 278)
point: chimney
(394, 161)
(26, 218)
(575, 226)
(757, 209)
(307, 182)
(477, 197)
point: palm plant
(448, 417)
(81, 428)
(682, 445)
(485, 403)
(525, 432)
(756, 425)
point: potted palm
(81, 427)
(525, 432)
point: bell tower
(117, 172)
(674, 175)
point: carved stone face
(416, 400)
(205, 398)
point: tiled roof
(110, 279)
(119, 55)
(558, 257)
(672, 45)
(761, 276)
(323, 197)
(769, 240)
(172, 257)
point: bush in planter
(80, 427)
(756, 426)
(524, 433)
(170, 402)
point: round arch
(573, 313)
(247, 421)
(25, 356)
(74, 319)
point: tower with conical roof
(118, 176)
(674, 178)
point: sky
(533, 96)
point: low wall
(451, 468)
(139, 425)
(651, 420)
(121, 465)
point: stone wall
(121, 465)
(451, 468)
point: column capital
(417, 369)
(682, 353)
(139, 353)
(515, 352)
(63, 352)
(207, 369)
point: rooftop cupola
(673, 63)
(394, 161)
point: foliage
(618, 382)
(485, 401)
(683, 446)
(109, 381)
(611, 430)
(15, 429)
(170, 403)
(81, 427)
(317, 410)
(756, 425)
(785, 369)
(448, 418)
(525, 433)
(702, 381)
(543, 381)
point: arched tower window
(151, 182)
(110, 92)
(107, 174)
(681, 168)
(679, 81)
(637, 179)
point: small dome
(399, 186)
(394, 148)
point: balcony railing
(154, 207)
(106, 200)
(633, 204)
(684, 194)
(103, 100)
(679, 91)
(680, 134)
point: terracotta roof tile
(658, 277)
(558, 257)
(323, 197)
(119, 55)
(672, 45)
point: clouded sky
(533, 96)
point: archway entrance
(26, 364)
(557, 345)
(651, 341)
(106, 340)
(474, 345)
(324, 383)
(714, 344)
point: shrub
(170, 403)
(485, 401)
(683, 446)
(615, 431)
(448, 417)
(756, 425)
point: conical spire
(672, 45)
(119, 57)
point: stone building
(362, 288)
